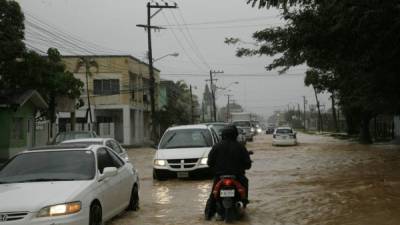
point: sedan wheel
(95, 217)
(134, 200)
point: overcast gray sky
(109, 26)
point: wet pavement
(322, 181)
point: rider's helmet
(229, 132)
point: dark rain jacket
(229, 157)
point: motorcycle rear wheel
(230, 215)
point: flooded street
(322, 181)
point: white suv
(183, 152)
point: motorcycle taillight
(228, 182)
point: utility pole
(212, 72)
(191, 105)
(148, 27)
(304, 115)
(228, 108)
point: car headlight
(203, 161)
(252, 129)
(160, 162)
(60, 210)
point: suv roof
(196, 126)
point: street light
(175, 54)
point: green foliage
(22, 69)
(351, 47)
(178, 109)
(11, 32)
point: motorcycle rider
(228, 157)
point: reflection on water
(161, 195)
(321, 181)
(204, 191)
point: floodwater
(322, 181)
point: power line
(193, 45)
(232, 75)
(180, 44)
(226, 21)
(73, 38)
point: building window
(106, 87)
(18, 128)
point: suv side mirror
(108, 172)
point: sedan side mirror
(108, 172)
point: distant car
(70, 135)
(66, 185)
(109, 142)
(247, 127)
(257, 127)
(270, 130)
(284, 136)
(219, 126)
(183, 152)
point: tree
(11, 36)
(178, 108)
(353, 40)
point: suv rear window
(242, 124)
(284, 131)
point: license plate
(227, 193)
(183, 174)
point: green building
(17, 120)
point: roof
(217, 123)
(285, 127)
(109, 56)
(86, 140)
(61, 147)
(20, 97)
(196, 126)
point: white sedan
(109, 142)
(284, 136)
(66, 185)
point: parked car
(183, 152)
(76, 185)
(247, 127)
(70, 135)
(219, 126)
(284, 136)
(109, 142)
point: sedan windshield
(49, 166)
(186, 138)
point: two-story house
(118, 88)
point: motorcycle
(231, 199)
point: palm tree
(87, 63)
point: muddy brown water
(322, 181)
